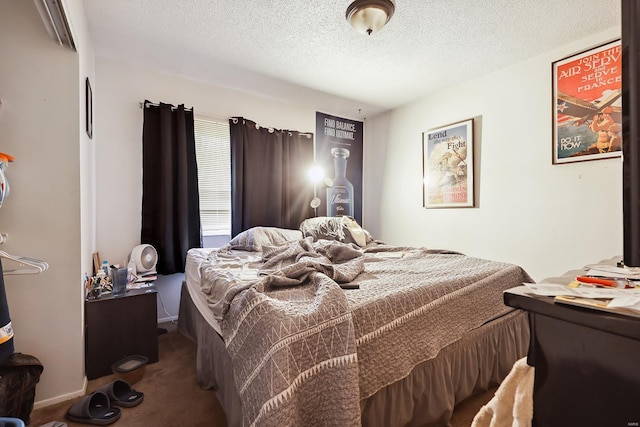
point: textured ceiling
(266, 46)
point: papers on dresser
(616, 300)
(631, 273)
(627, 306)
(552, 290)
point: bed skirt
(426, 397)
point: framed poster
(587, 101)
(447, 164)
(88, 108)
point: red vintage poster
(587, 89)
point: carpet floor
(172, 397)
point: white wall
(546, 218)
(118, 119)
(86, 155)
(40, 124)
(86, 69)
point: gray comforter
(305, 351)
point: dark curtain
(269, 182)
(170, 201)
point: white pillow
(343, 229)
(357, 233)
(254, 238)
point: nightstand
(586, 363)
(117, 327)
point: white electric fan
(144, 258)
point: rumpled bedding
(305, 351)
(290, 336)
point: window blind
(213, 155)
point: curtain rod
(235, 120)
(154, 104)
(270, 129)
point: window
(213, 155)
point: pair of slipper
(97, 408)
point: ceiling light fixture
(369, 16)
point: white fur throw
(512, 405)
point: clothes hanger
(33, 266)
(30, 265)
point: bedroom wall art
(447, 163)
(338, 152)
(587, 99)
(89, 108)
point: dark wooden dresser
(118, 327)
(587, 363)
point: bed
(326, 326)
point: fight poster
(448, 166)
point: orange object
(597, 281)
(7, 157)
